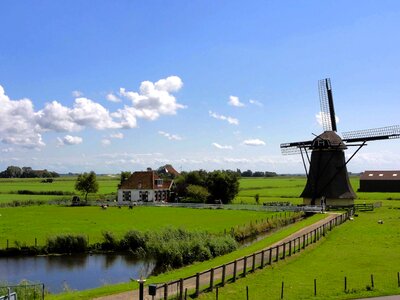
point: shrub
(67, 243)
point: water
(75, 272)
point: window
(370, 175)
(380, 175)
(159, 182)
(126, 196)
(395, 174)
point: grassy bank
(356, 250)
(192, 269)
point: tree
(197, 193)
(87, 183)
(124, 177)
(223, 185)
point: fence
(230, 272)
(22, 292)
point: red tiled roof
(145, 180)
(380, 175)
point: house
(380, 181)
(145, 186)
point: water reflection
(78, 272)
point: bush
(67, 243)
(110, 241)
(133, 240)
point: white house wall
(135, 195)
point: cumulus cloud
(69, 140)
(230, 120)
(117, 135)
(322, 117)
(216, 145)
(112, 98)
(234, 101)
(255, 102)
(21, 125)
(170, 136)
(254, 142)
(155, 99)
(17, 122)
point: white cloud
(230, 120)
(155, 99)
(255, 102)
(21, 125)
(112, 98)
(254, 142)
(17, 122)
(117, 135)
(77, 94)
(105, 142)
(216, 145)
(234, 101)
(321, 116)
(69, 140)
(169, 136)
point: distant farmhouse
(148, 186)
(380, 181)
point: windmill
(327, 178)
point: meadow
(355, 250)
(24, 224)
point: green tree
(197, 193)
(87, 183)
(223, 185)
(124, 177)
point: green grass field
(9, 187)
(356, 250)
(24, 224)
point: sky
(115, 86)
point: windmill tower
(327, 178)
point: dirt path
(205, 280)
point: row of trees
(250, 173)
(26, 172)
(207, 187)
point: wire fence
(232, 271)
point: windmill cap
(327, 140)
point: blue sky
(124, 85)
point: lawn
(356, 250)
(24, 224)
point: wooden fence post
(345, 283)
(277, 253)
(244, 266)
(315, 287)
(270, 256)
(197, 284)
(181, 289)
(262, 259)
(298, 244)
(284, 251)
(211, 279)
(234, 270)
(166, 291)
(372, 280)
(290, 248)
(254, 263)
(282, 290)
(304, 241)
(223, 275)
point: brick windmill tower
(327, 177)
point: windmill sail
(327, 109)
(382, 133)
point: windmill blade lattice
(382, 133)
(326, 101)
